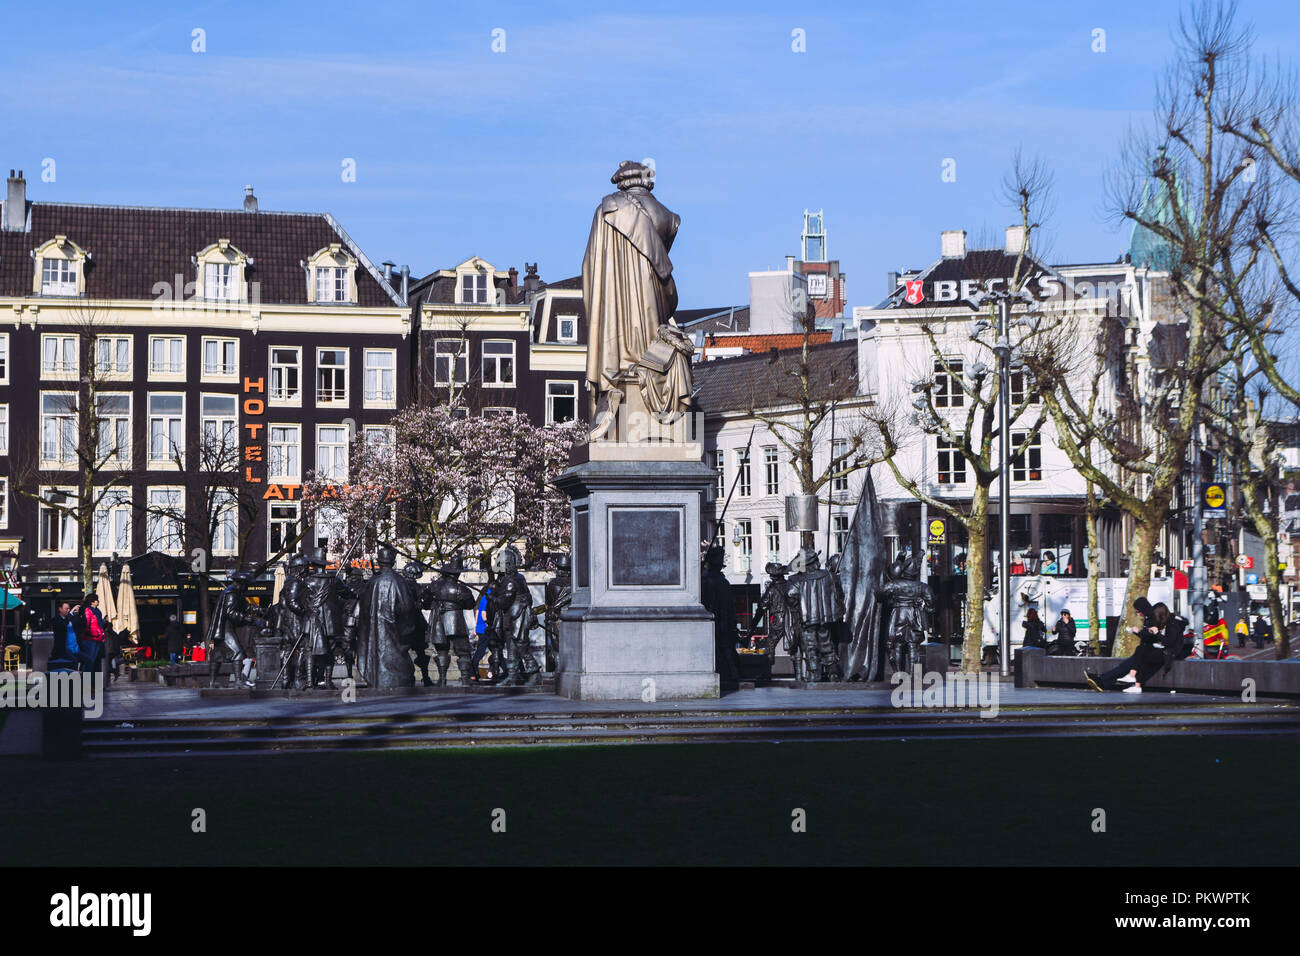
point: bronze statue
(908, 603)
(559, 593)
(323, 626)
(782, 613)
(715, 595)
(419, 641)
(448, 600)
(390, 608)
(291, 610)
(821, 605)
(510, 620)
(861, 570)
(630, 297)
(232, 612)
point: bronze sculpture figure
(821, 606)
(908, 603)
(448, 600)
(559, 593)
(390, 607)
(715, 595)
(232, 612)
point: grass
(985, 802)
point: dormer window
(332, 276)
(473, 289)
(221, 269)
(59, 268)
(219, 281)
(58, 277)
(567, 328)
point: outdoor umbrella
(128, 617)
(104, 588)
(278, 586)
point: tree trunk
(1146, 529)
(1094, 572)
(1266, 529)
(977, 557)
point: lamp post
(1002, 349)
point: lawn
(943, 802)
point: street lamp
(1002, 349)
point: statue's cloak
(862, 568)
(627, 281)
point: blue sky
(461, 151)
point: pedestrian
(1243, 631)
(1035, 630)
(1263, 632)
(1162, 642)
(92, 636)
(1065, 630)
(483, 644)
(174, 635)
(65, 654)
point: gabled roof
(134, 247)
(737, 384)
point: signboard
(1185, 565)
(1214, 498)
(938, 531)
(191, 617)
(1252, 578)
(1245, 561)
(1257, 592)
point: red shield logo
(915, 293)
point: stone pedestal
(636, 629)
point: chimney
(388, 270)
(789, 263)
(952, 243)
(514, 282)
(531, 280)
(406, 283)
(1015, 240)
(250, 201)
(891, 282)
(16, 203)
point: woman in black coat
(1065, 630)
(1161, 644)
(1035, 630)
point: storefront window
(1062, 553)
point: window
(742, 463)
(332, 452)
(4, 429)
(167, 428)
(113, 522)
(59, 356)
(285, 368)
(720, 464)
(331, 376)
(225, 524)
(947, 384)
(166, 355)
(566, 328)
(772, 537)
(771, 471)
(59, 427)
(166, 520)
(4, 502)
(1027, 466)
(498, 412)
(839, 448)
(57, 531)
(331, 284)
(839, 531)
(499, 363)
(382, 440)
(952, 464)
(282, 527)
(220, 281)
(218, 427)
(113, 416)
(381, 377)
(561, 401)
(450, 355)
(744, 538)
(331, 529)
(58, 276)
(284, 463)
(220, 358)
(113, 355)
(4, 358)
(474, 289)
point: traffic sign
(1245, 562)
(1252, 578)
